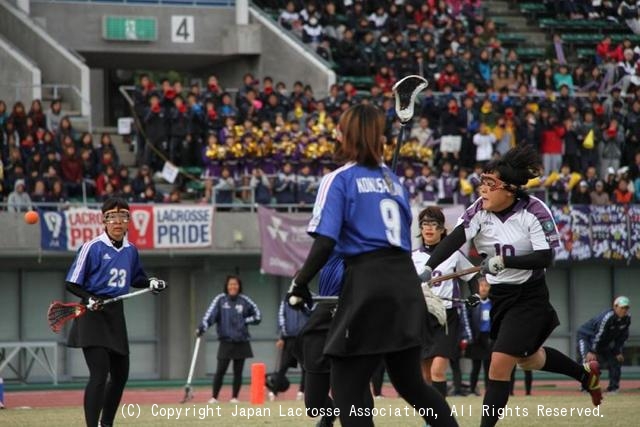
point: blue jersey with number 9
(104, 270)
(363, 209)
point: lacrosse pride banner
(151, 226)
(284, 240)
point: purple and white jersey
(527, 227)
(448, 288)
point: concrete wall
(57, 64)
(20, 78)
(79, 26)
(288, 60)
(220, 46)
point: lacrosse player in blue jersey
(362, 212)
(105, 267)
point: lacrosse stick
(471, 301)
(455, 274)
(60, 313)
(188, 392)
(405, 91)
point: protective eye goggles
(494, 183)
(116, 216)
(430, 223)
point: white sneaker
(212, 400)
(300, 395)
(234, 400)
(272, 396)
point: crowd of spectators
(267, 143)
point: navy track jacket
(604, 331)
(232, 317)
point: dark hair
(433, 213)
(362, 128)
(517, 166)
(114, 203)
(226, 283)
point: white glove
(492, 265)
(434, 305)
(157, 285)
(94, 304)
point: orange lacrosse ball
(31, 217)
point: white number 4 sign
(182, 29)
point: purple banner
(634, 231)
(562, 216)
(580, 232)
(609, 232)
(284, 240)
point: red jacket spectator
(108, 176)
(71, 165)
(551, 139)
(606, 51)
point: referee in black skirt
(362, 211)
(516, 234)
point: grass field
(620, 410)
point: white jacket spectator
(19, 200)
(422, 132)
(484, 141)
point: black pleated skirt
(381, 308)
(522, 317)
(105, 328)
(439, 341)
(234, 350)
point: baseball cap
(621, 301)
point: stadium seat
(360, 82)
(531, 53)
(511, 39)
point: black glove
(473, 300)
(157, 285)
(94, 304)
(200, 331)
(299, 295)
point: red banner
(141, 226)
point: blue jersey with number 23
(356, 207)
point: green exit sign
(130, 28)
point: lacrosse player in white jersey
(441, 339)
(516, 235)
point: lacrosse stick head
(60, 313)
(406, 91)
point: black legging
(100, 395)
(351, 375)
(528, 381)
(288, 359)
(377, 379)
(475, 373)
(317, 397)
(223, 364)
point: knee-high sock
(441, 386)
(561, 364)
(495, 399)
